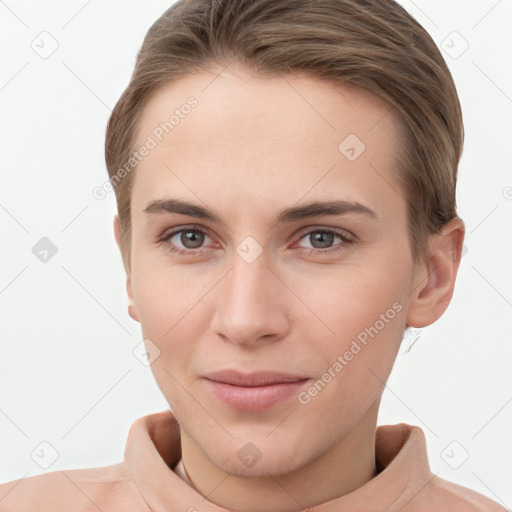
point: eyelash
(164, 239)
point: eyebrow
(290, 214)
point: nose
(251, 304)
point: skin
(253, 146)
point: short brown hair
(373, 44)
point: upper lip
(260, 378)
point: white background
(67, 372)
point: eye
(322, 240)
(190, 241)
(185, 241)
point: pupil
(323, 238)
(192, 236)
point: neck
(348, 465)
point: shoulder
(440, 494)
(79, 490)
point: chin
(259, 458)
(275, 465)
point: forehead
(265, 139)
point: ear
(435, 282)
(132, 309)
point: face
(279, 298)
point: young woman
(285, 174)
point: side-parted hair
(373, 44)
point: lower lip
(254, 398)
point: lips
(253, 391)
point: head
(254, 112)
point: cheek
(166, 305)
(350, 300)
(365, 313)
(166, 296)
(171, 304)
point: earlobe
(434, 284)
(132, 310)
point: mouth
(253, 391)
